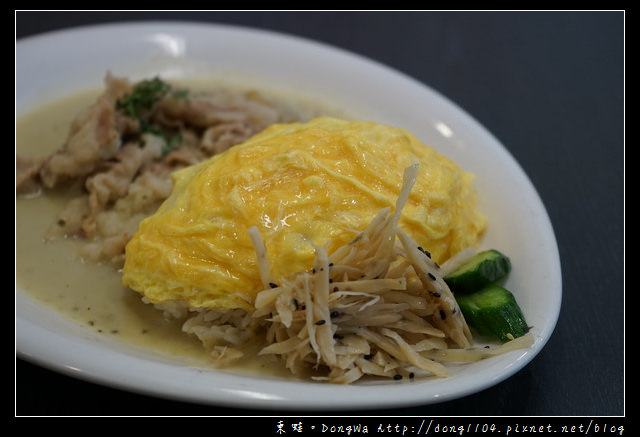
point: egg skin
(319, 182)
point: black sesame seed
(443, 315)
(397, 377)
(487, 347)
(321, 322)
(313, 270)
(338, 336)
(426, 252)
(412, 375)
(330, 280)
(367, 356)
(335, 314)
(294, 301)
(335, 289)
(434, 294)
(273, 285)
(330, 264)
(432, 276)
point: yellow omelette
(319, 182)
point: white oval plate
(59, 63)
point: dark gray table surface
(550, 86)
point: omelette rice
(325, 240)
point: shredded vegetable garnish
(376, 306)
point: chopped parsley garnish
(171, 143)
(180, 94)
(141, 101)
(144, 95)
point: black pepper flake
(335, 314)
(487, 347)
(273, 285)
(397, 377)
(321, 322)
(367, 356)
(432, 276)
(443, 315)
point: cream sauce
(90, 295)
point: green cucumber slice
(482, 269)
(493, 312)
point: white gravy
(89, 295)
